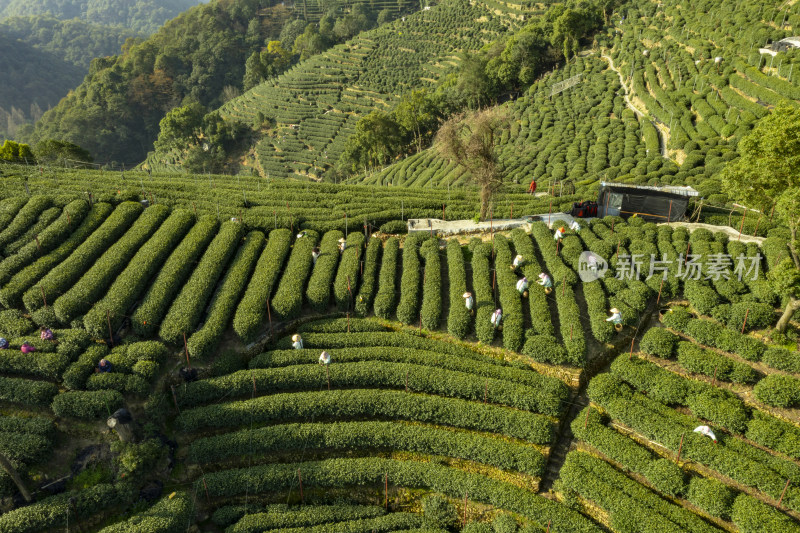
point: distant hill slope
(115, 112)
(142, 16)
(317, 103)
(683, 114)
(33, 77)
(75, 41)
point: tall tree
(416, 113)
(767, 174)
(470, 141)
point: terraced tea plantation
(317, 103)
(428, 417)
(663, 97)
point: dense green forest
(202, 58)
(33, 81)
(143, 16)
(75, 41)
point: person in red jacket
(532, 188)
(27, 348)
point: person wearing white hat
(705, 430)
(575, 226)
(546, 282)
(324, 358)
(522, 286)
(297, 341)
(301, 234)
(497, 317)
(315, 254)
(559, 234)
(469, 301)
(342, 244)
(517, 262)
(616, 318)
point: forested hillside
(198, 61)
(33, 80)
(75, 41)
(141, 16)
(69, 31)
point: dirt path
(733, 233)
(597, 365)
(663, 131)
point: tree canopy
(767, 172)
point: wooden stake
(38, 244)
(269, 315)
(186, 350)
(772, 212)
(549, 213)
(631, 354)
(686, 257)
(175, 399)
(745, 320)
(783, 493)
(512, 209)
(300, 479)
(208, 499)
(680, 447)
(348, 322)
(758, 223)
(548, 527)
(110, 333)
(659, 291)
(328, 375)
(69, 219)
(669, 215)
(386, 491)
(586, 421)
(254, 385)
(741, 226)
(195, 208)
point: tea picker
(315, 254)
(497, 318)
(297, 341)
(546, 282)
(517, 262)
(522, 287)
(559, 234)
(324, 358)
(616, 318)
(705, 430)
(469, 301)
(575, 226)
(46, 334)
